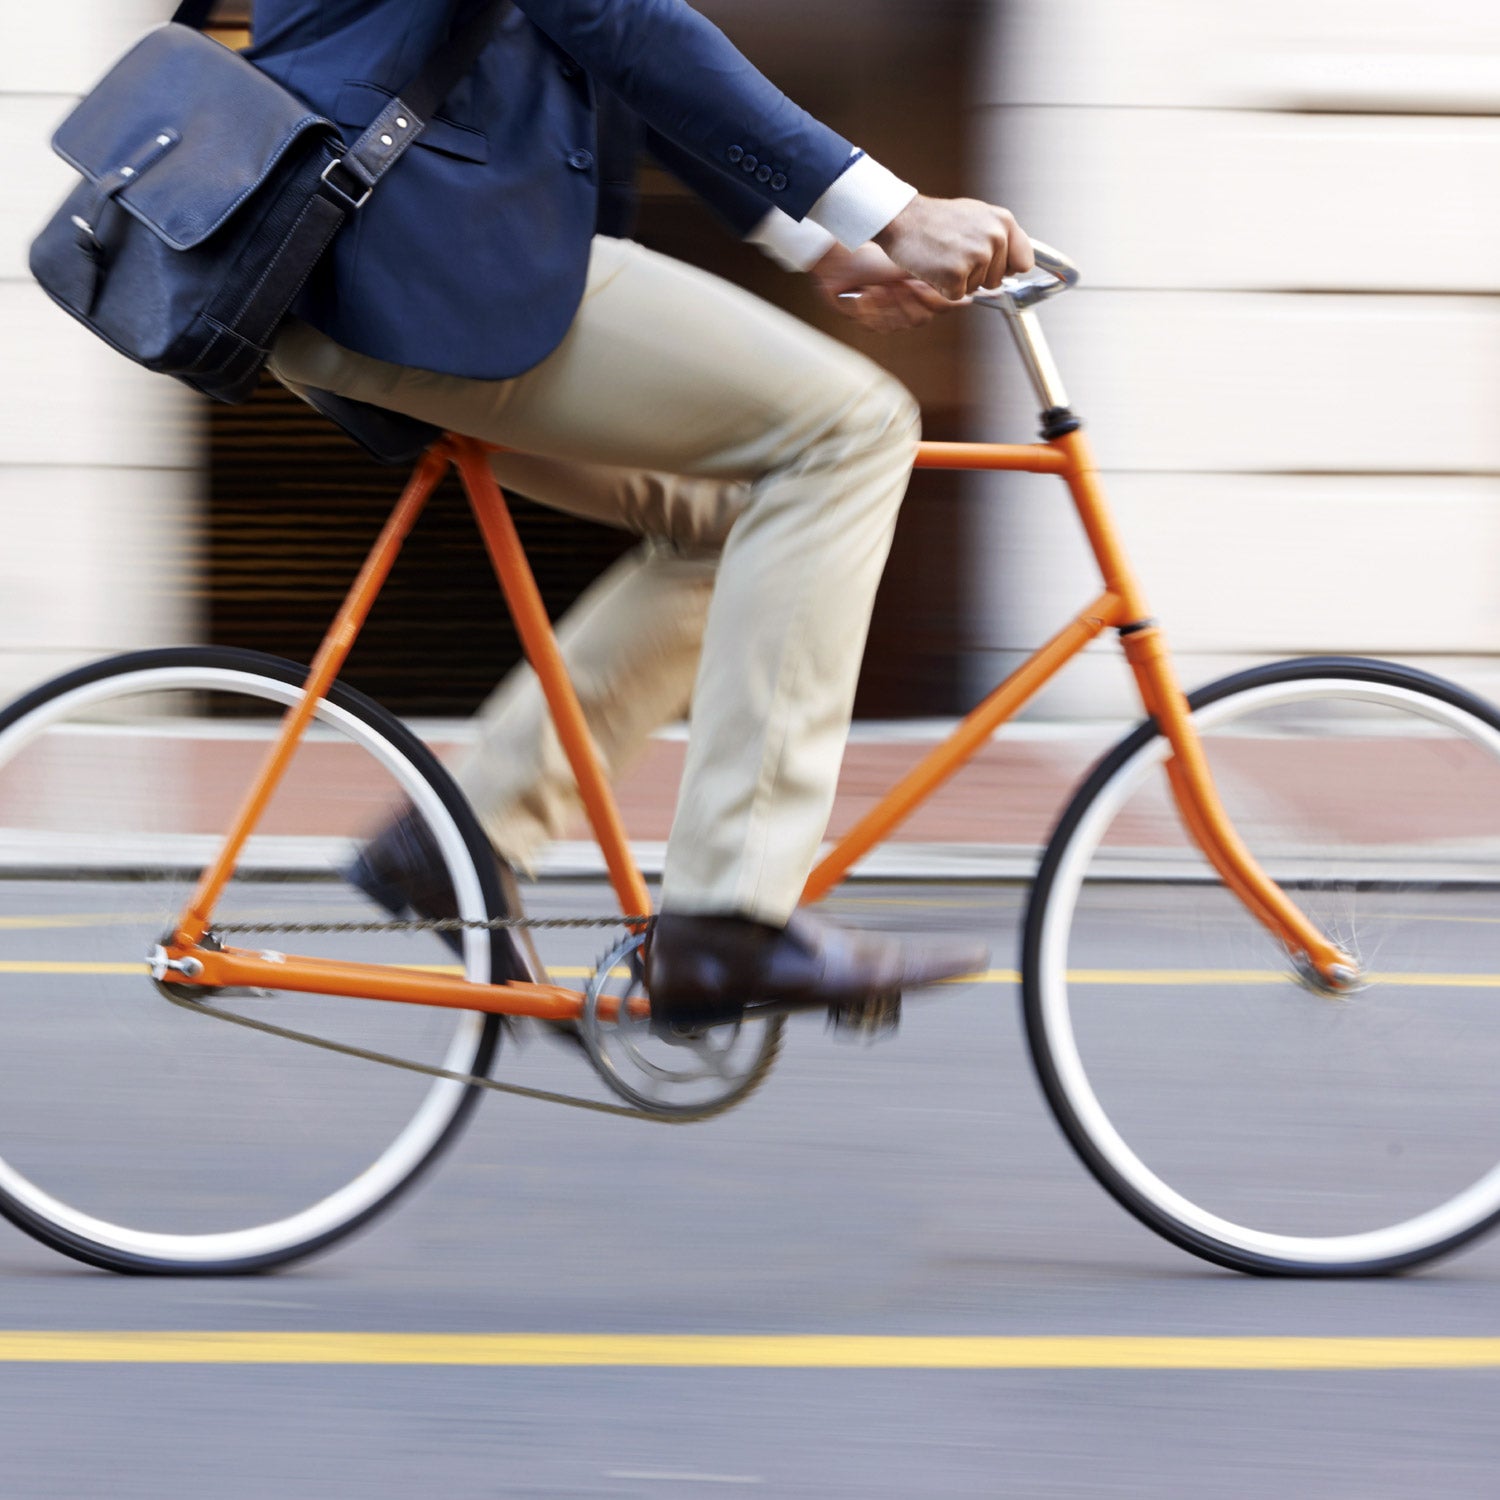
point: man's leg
(631, 644)
(668, 369)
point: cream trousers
(763, 464)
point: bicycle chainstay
(438, 924)
(474, 1080)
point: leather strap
(194, 13)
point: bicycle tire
(67, 726)
(1276, 735)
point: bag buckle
(348, 198)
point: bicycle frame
(1121, 606)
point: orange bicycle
(1256, 965)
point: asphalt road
(914, 1188)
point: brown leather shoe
(401, 870)
(705, 970)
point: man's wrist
(796, 245)
(861, 201)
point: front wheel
(1245, 1118)
(148, 1136)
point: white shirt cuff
(864, 198)
(795, 245)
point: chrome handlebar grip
(1054, 273)
(1055, 263)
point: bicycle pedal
(868, 1019)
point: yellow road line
(752, 1351)
(1158, 977)
(88, 919)
(42, 966)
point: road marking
(87, 919)
(1160, 977)
(47, 966)
(751, 1351)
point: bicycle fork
(1321, 963)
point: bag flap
(191, 127)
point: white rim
(441, 1102)
(1470, 1207)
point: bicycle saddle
(387, 436)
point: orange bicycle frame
(1122, 607)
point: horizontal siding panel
(81, 545)
(70, 399)
(1284, 565)
(1278, 54)
(63, 47)
(1203, 198)
(1269, 382)
(35, 180)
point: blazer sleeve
(736, 203)
(690, 84)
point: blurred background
(1285, 349)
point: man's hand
(957, 245)
(888, 299)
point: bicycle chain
(439, 924)
(472, 1080)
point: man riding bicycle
(763, 462)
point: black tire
(437, 1119)
(1050, 937)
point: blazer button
(749, 163)
(778, 181)
(734, 153)
(763, 174)
(569, 69)
(580, 161)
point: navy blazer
(470, 257)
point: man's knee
(902, 422)
(883, 414)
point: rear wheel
(1245, 1118)
(142, 1136)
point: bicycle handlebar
(1054, 273)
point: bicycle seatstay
(326, 665)
(238, 967)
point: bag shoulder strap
(194, 13)
(397, 126)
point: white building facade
(1287, 349)
(99, 461)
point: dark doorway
(293, 504)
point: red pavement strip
(1009, 796)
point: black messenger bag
(209, 193)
